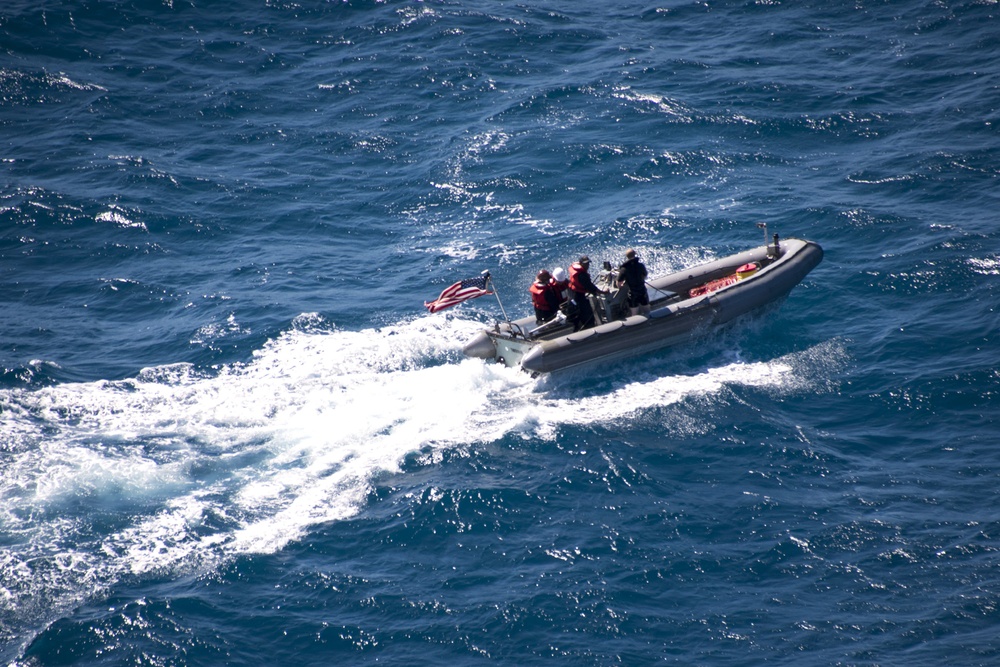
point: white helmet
(559, 274)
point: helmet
(559, 274)
(543, 276)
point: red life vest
(576, 283)
(562, 290)
(542, 296)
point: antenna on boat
(489, 281)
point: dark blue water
(232, 435)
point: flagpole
(496, 293)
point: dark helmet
(543, 276)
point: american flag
(461, 291)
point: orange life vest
(575, 270)
(543, 296)
(562, 290)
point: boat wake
(177, 471)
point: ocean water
(231, 434)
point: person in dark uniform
(633, 273)
(581, 285)
(544, 297)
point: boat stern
(497, 347)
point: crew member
(633, 273)
(581, 285)
(560, 282)
(544, 297)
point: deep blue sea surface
(231, 434)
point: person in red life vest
(560, 282)
(581, 285)
(544, 297)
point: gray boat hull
(675, 316)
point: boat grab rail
(515, 330)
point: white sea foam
(193, 469)
(61, 79)
(987, 266)
(117, 217)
